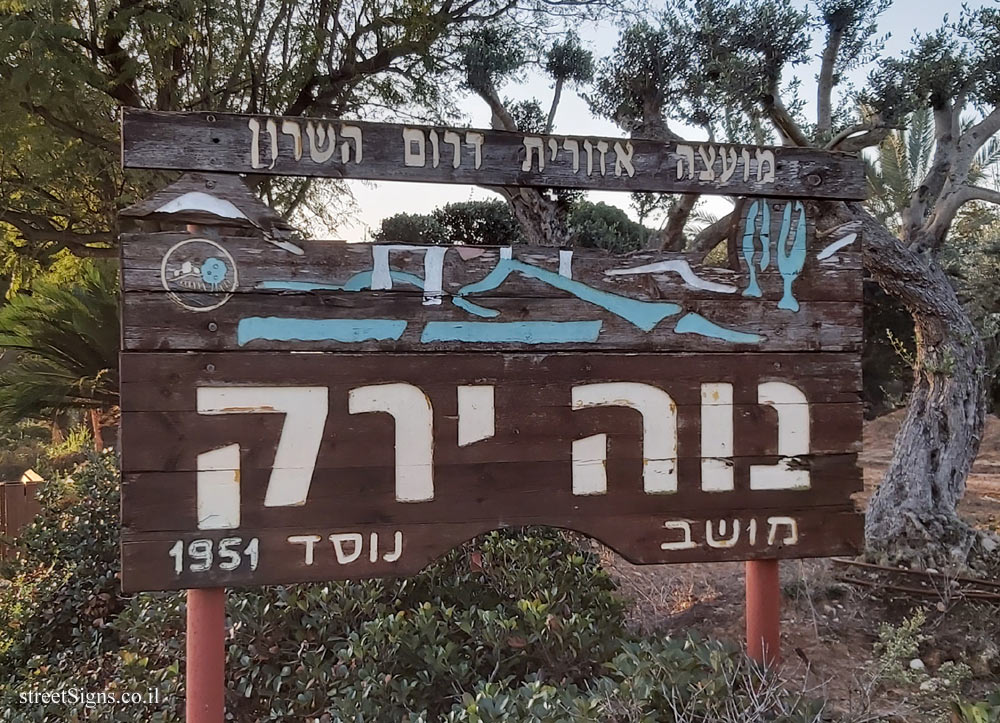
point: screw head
(210, 367)
(814, 179)
(212, 326)
(210, 183)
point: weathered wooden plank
(827, 378)
(314, 322)
(486, 491)
(442, 445)
(218, 142)
(265, 268)
(244, 293)
(148, 564)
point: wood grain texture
(218, 142)
(266, 290)
(522, 474)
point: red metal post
(763, 610)
(206, 655)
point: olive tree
(727, 67)
(67, 67)
(500, 52)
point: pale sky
(376, 200)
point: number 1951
(225, 555)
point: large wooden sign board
(313, 410)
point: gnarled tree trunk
(913, 514)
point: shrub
(514, 626)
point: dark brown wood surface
(522, 474)
(218, 142)
(273, 289)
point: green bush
(514, 626)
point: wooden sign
(319, 410)
(298, 146)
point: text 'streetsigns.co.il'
(312, 410)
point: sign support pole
(206, 655)
(763, 611)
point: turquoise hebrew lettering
(645, 315)
(791, 260)
(758, 210)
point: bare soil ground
(829, 627)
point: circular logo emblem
(198, 274)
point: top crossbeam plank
(298, 146)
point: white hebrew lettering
(272, 134)
(309, 541)
(710, 534)
(354, 133)
(533, 145)
(305, 410)
(218, 488)
(792, 538)
(623, 158)
(414, 435)
(476, 140)
(476, 413)
(589, 457)
(708, 158)
(397, 548)
(602, 148)
(373, 547)
(765, 157)
(589, 148)
(338, 541)
(573, 147)
(752, 532)
(685, 154)
(254, 125)
(659, 427)
(717, 437)
(553, 148)
(793, 438)
(414, 138)
(320, 134)
(730, 160)
(435, 152)
(291, 128)
(456, 142)
(687, 543)
(745, 155)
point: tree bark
(913, 515)
(542, 221)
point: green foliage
(492, 54)
(598, 225)
(479, 223)
(897, 645)
(470, 223)
(64, 341)
(513, 626)
(987, 711)
(415, 228)
(568, 60)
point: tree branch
(70, 128)
(782, 119)
(36, 230)
(824, 93)
(711, 236)
(671, 236)
(848, 140)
